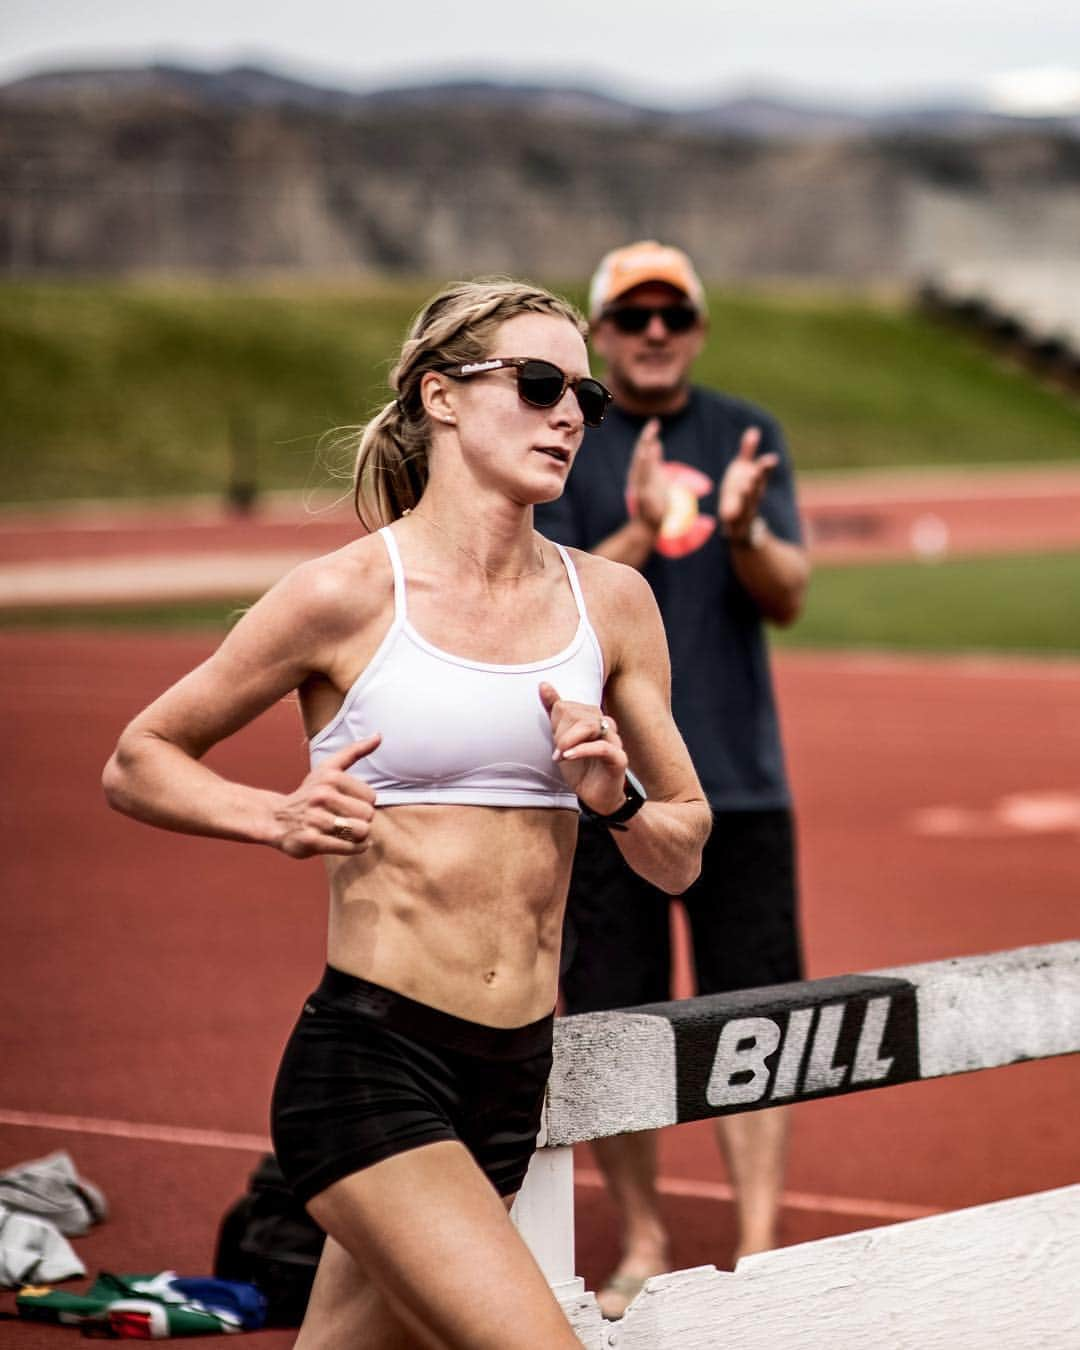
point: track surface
(152, 978)
(149, 552)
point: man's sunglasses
(636, 318)
(542, 384)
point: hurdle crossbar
(668, 1063)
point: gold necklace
(491, 571)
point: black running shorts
(741, 910)
(368, 1073)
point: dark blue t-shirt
(722, 695)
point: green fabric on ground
(128, 1306)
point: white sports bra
(455, 730)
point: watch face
(632, 804)
(634, 785)
(635, 800)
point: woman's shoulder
(621, 608)
(612, 590)
(338, 590)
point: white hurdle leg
(544, 1212)
(544, 1215)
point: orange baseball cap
(635, 264)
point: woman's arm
(663, 841)
(155, 773)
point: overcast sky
(667, 51)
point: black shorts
(742, 914)
(368, 1073)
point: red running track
(850, 517)
(152, 978)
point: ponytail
(391, 468)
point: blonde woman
(467, 688)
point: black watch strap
(616, 820)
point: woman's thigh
(346, 1310)
(345, 1306)
(435, 1243)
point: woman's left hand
(588, 751)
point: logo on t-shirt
(685, 528)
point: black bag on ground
(269, 1238)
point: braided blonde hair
(454, 328)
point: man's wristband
(616, 820)
(653, 529)
(754, 537)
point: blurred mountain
(766, 114)
(239, 87)
(173, 168)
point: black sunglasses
(636, 318)
(541, 384)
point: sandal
(624, 1288)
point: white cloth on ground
(34, 1251)
(50, 1188)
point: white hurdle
(1016, 1286)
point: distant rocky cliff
(150, 175)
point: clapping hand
(743, 485)
(647, 488)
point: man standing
(695, 489)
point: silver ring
(341, 829)
(603, 730)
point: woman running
(467, 688)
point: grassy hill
(120, 390)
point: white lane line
(127, 1129)
(899, 486)
(258, 1143)
(820, 1204)
(1062, 666)
(150, 578)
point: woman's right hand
(332, 810)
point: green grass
(212, 616)
(111, 389)
(1025, 603)
(1028, 603)
(862, 385)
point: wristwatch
(754, 537)
(616, 820)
